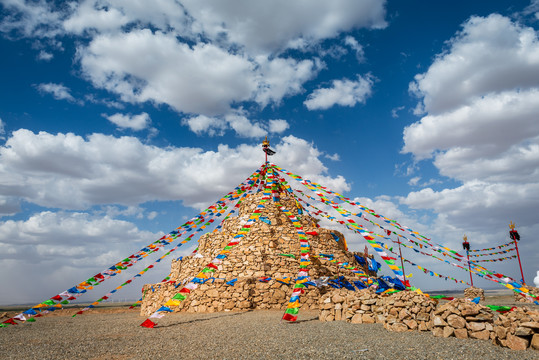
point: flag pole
(402, 262)
(466, 246)
(513, 234)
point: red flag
(148, 324)
(289, 317)
(57, 298)
(10, 321)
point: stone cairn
(473, 292)
(407, 311)
(533, 290)
(265, 252)
(401, 311)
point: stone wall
(407, 311)
(401, 311)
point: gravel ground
(232, 335)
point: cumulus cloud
(278, 126)
(207, 80)
(342, 92)
(58, 91)
(70, 172)
(480, 128)
(293, 24)
(133, 122)
(194, 77)
(61, 249)
(237, 121)
(466, 71)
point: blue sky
(119, 121)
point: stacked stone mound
(463, 319)
(518, 329)
(398, 312)
(259, 255)
(407, 311)
(364, 306)
(473, 292)
(532, 290)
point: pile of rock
(473, 292)
(532, 290)
(398, 312)
(408, 310)
(361, 307)
(518, 329)
(270, 251)
(463, 319)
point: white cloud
(292, 24)
(45, 56)
(92, 15)
(414, 181)
(360, 53)
(471, 68)
(244, 127)
(202, 78)
(481, 129)
(195, 77)
(237, 121)
(278, 126)
(61, 249)
(277, 78)
(29, 19)
(135, 122)
(342, 92)
(70, 172)
(152, 215)
(2, 129)
(58, 91)
(395, 112)
(334, 157)
(204, 124)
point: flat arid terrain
(113, 332)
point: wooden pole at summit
(515, 236)
(466, 246)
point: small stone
(456, 321)
(481, 335)
(368, 319)
(535, 342)
(412, 324)
(476, 326)
(399, 327)
(516, 343)
(448, 331)
(501, 332)
(438, 321)
(438, 331)
(356, 319)
(523, 331)
(461, 333)
(531, 325)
